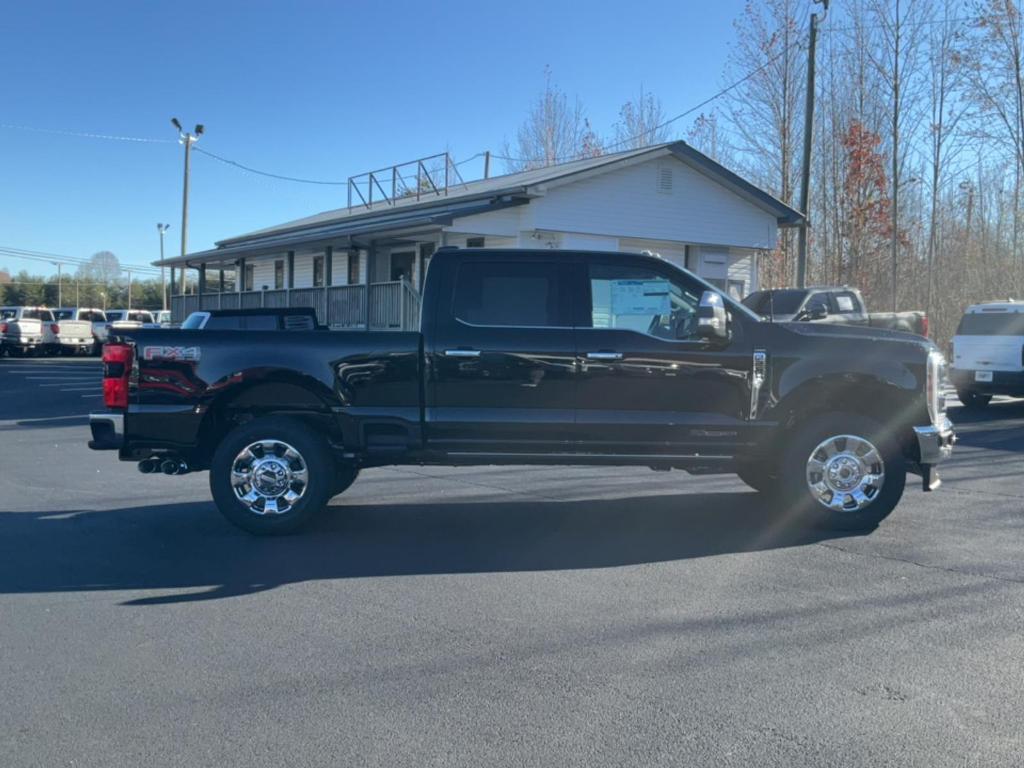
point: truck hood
(854, 332)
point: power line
(266, 173)
(74, 261)
(84, 134)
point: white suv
(988, 353)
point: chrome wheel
(269, 477)
(845, 473)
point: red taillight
(924, 325)
(3, 327)
(54, 327)
(117, 369)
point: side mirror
(711, 318)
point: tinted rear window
(523, 293)
(992, 324)
(781, 302)
(38, 314)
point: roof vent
(665, 179)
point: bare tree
(554, 131)
(641, 123)
(765, 110)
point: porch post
(291, 269)
(328, 265)
(222, 278)
(172, 281)
(371, 262)
(240, 278)
(202, 279)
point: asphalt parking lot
(498, 616)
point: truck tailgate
(988, 353)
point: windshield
(785, 301)
(992, 324)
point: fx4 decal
(188, 354)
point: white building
(363, 265)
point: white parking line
(99, 395)
(60, 378)
(79, 381)
(79, 389)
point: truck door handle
(462, 353)
(604, 355)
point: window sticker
(640, 297)
(845, 303)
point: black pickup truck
(536, 357)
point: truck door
(647, 382)
(500, 354)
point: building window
(353, 267)
(278, 275)
(474, 242)
(318, 271)
(737, 289)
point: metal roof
(467, 199)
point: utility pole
(188, 139)
(60, 297)
(129, 290)
(805, 173)
(161, 228)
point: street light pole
(188, 139)
(161, 228)
(129, 290)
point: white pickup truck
(28, 330)
(81, 329)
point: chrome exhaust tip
(173, 467)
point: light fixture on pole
(188, 139)
(161, 228)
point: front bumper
(935, 445)
(107, 431)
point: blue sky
(319, 90)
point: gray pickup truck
(831, 304)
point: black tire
(759, 475)
(796, 495)
(344, 476)
(974, 401)
(315, 455)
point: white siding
(742, 267)
(503, 223)
(627, 203)
(575, 241)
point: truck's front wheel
(842, 471)
(271, 475)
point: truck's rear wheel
(271, 475)
(841, 471)
(973, 400)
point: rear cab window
(999, 323)
(511, 294)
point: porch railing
(392, 306)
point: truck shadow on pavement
(190, 547)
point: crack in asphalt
(919, 564)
